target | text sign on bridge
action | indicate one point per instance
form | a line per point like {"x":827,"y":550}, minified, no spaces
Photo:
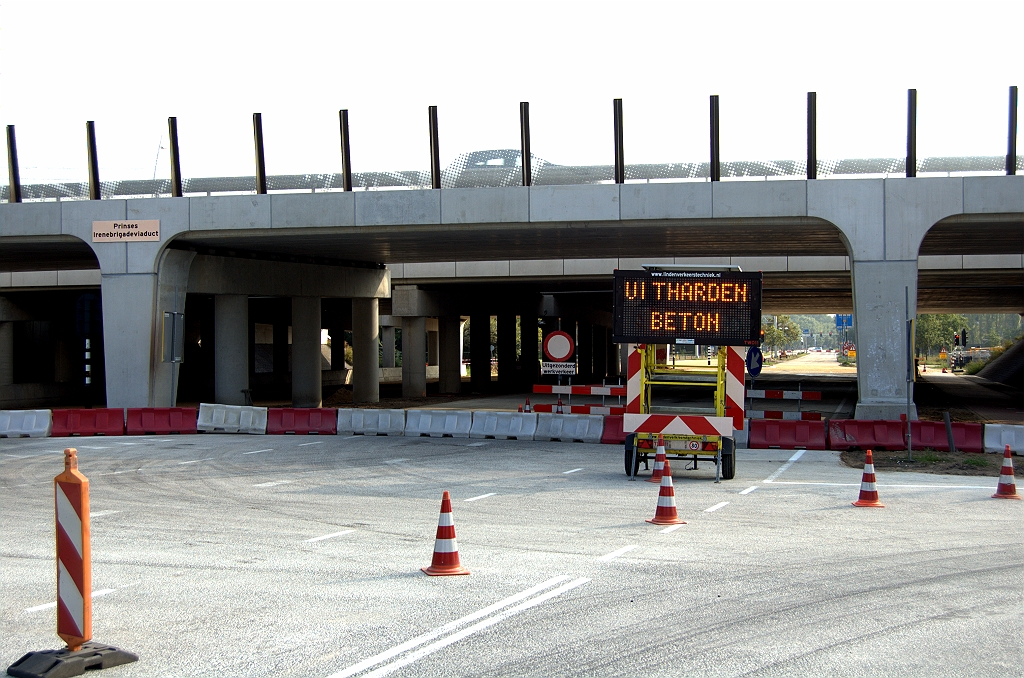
{"x":715,"y":308}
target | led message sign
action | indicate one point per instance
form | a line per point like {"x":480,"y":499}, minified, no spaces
{"x":717,"y":308}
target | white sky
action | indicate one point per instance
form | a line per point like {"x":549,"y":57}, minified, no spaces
{"x":129,"y":66}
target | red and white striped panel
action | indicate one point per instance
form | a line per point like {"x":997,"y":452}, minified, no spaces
{"x":74,"y":577}
{"x":735,"y":385}
{"x":784,"y":395}
{"x":634,"y":363}
{"x":580,"y":390}
{"x":581,"y":409}
{"x":671,"y":424}
{"x":779,"y":414}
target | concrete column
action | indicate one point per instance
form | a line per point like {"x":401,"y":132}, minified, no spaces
{"x":387,"y":339}
{"x":449,"y":338}
{"x":307,"y":381}
{"x":585,"y":352}
{"x":507,"y":352}
{"x":414,"y":357}
{"x":879,"y":308}
{"x":6,"y":354}
{"x":282,"y":321}
{"x":432,"y":347}
{"x":365,"y":343}
{"x":623,"y":361}
{"x":480,"y":352}
{"x":530,"y":372}
{"x":231,"y":348}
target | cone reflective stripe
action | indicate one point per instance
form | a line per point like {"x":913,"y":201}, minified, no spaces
{"x":446,"y":549}
{"x":659,"y":462}
{"x":74,"y":575}
{"x":666,"y":511}
{"x":1007,"y":488}
{"x":527,"y":406}
{"x":868,"y":493}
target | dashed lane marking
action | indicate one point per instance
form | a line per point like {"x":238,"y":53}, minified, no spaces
{"x":785,"y":467}
{"x":329,"y":536}
{"x":194,"y":461}
{"x":476,"y":445}
{"x":271,"y":449}
{"x":97,"y":514}
{"x":716,"y":507}
{"x":749,"y":489}
{"x":315,"y":442}
{"x":395,"y":461}
{"x":616,"y":554}
{"x":272,"y":483}
{"x":670,"y":528}
{"x":572,"y":471}
{"x":482,"y":496}
{"x":50,"y":606}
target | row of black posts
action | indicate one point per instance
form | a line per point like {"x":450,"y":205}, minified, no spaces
{"x":14,"y":193}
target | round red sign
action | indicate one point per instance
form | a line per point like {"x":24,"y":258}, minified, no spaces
{"x":559,"y":346}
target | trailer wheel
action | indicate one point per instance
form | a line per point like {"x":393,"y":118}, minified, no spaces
{"x":630,"y":441}
{"x":728,"y":458}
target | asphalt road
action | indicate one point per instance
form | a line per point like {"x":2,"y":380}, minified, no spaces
{"x":300,"y":556}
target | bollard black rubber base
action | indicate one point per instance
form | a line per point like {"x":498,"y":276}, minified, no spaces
{"x":64,"y":663}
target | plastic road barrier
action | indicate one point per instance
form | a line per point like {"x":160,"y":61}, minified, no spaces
{"x":96,"y":422}
{"x":582,"y":409}
{"x":217,"y":418}
{"x":302,"y":420}
{"x":586,"y":428}
{"x":161,"y":421}
{"x":438,"y":423}
{"x":932,"y":434}
{"x":504,"y":425}
{"x":997,"y":437}
{"x":784,"y":395}
{"x":786,"y":435}
{"x":845,"y":434}
{"x":612,"y":433}
{"x":371,"y":422}
{"x":779,"y":414}
{"x":24,"y":423}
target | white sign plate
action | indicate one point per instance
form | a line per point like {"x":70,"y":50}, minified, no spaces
{"x":147,"y":230}
{"x":547,"y":367}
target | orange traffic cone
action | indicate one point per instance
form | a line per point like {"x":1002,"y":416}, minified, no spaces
{"x":1007,"y":488}
{"x":526,"y":408}
{"x":868,"y":493}
{"x":659,"y":462}
{"x":446,"y":549}
{"x":666,"y":511}
{"x":520,"y":408}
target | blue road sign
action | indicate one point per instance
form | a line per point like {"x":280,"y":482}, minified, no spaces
{"x":755,"y":360}
{"x":844,"y":321}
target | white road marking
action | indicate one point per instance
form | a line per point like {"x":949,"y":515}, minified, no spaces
{"x":482,"y":496}
{"x":271,"y":449}
{"x":394,"y":461}
{"x":351,"y":437}
{"x":317,"y":442}
{"x":785,"y":467}
{"x":93,"y":447}
{"x":124,"y":444}
{"x":29,"y":456}
{"x":749,"y":489}
{"x":272,"y":483}
{"x":840,"y":408}
{"x":450,"y":626}
{"x":572,"y":471}
{"x":479,"y":626}
{"x":670,"y":528}
{"x":716,"y":507}
{"x":616,"y":554}
{"x":476,"y":445}
{"x":194,"y":461}
{"x":328,"y":536}
{"x":50,"y":606}
{"x":97,"y":514}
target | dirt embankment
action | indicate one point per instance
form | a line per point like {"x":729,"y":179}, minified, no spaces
{"x":932,"y":461}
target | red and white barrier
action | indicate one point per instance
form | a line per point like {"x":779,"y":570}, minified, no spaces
{"x":784,"y":395}
{"x":74,"y":569}
{"x":580,"y":390}
{"x":779,"y":414}
{"x":581,"y":409}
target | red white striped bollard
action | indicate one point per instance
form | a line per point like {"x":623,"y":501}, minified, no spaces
{"x":74,"y":568}
{"x":446,"y":549}
{"x":74,"y":588}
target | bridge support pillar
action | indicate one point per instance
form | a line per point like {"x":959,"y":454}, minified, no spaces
{"x":414,"y":357}
{"x":306,"y":377}
{"x":880,"y":313}
{"x":231,"y":348}
{"x":449,"y":368}
{"x":6,"y":353}
{"x":365,"y":362}
{"x":480,"y":352}
{"x":387,"y":341}
{"x":432,"y":342}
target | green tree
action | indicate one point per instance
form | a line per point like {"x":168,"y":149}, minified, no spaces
{"x":935,"y":331}
{"x":780,"y":331}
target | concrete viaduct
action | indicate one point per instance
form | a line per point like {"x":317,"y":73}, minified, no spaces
{"x":955,"y":243}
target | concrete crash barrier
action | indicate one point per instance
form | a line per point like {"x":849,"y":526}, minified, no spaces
{"x":96,"y":422}
{"x":846,"y":434}
{"x":161,"y":421}
{"x":786,"y":435}
{"x":504,"y":425}
{"x":24,"y":423}
{"x":932,"y":434}
{"x":612,"y":433}
{"x":217,"y":418}
{"x":438,"y":423}
{"x":997,"y":437}
{"x":371,"y":422}
{"x":302,"y":420}
{"x":585,"y":428}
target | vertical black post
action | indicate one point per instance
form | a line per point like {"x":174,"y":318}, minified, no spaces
{"x":812,"y":135}
{"x":911,"y":132}
{"x":261,"y":166}
{"x":716,"y":168}
{"x":1011,"y":140}
{"x":524,"y":132}
{"x":172,"y":135}
{"x":435,"y":152}
{"x":620,"y":162}
{"x":346,"y":151}
{"x":14,"y":174}
{"x":94,"y":164}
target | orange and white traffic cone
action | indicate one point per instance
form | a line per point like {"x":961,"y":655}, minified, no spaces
{"x":446,"y":549}
{"x":666,"y":511}
{"x":558,"y":408}
{"x":1007,"y":488}
{"x":520,"y":408}
{"x":659,"y":462}
{"x":526,"y":408}
{"x":868,"y":493}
